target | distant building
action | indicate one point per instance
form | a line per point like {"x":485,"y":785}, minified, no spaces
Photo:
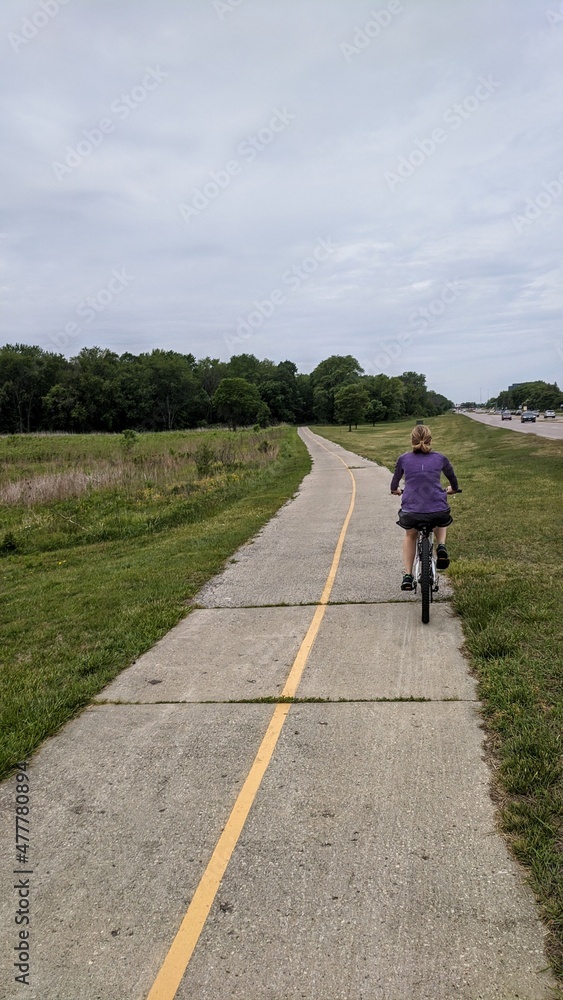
{"x":515,"y":385}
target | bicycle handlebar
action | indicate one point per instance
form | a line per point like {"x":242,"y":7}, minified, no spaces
{"x":400,"y":492}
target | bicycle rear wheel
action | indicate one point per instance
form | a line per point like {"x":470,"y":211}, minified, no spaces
{"x":425,"y":582}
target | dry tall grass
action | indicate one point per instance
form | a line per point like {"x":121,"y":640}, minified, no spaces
{"x":135,"y":471}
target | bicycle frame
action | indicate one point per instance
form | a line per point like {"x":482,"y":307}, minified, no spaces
{"x":417,"y":566}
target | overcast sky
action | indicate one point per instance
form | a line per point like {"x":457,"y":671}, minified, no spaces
{"x":288,"y":178}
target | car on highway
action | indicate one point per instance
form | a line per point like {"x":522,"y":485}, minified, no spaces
{"x":549,"y":413}
{"x":528,"y":417}
{"x":506,"y":415}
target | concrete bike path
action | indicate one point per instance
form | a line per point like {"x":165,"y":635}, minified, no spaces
{"x":369,"y":865}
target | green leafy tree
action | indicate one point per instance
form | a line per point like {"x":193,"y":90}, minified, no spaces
{"x":237,"y":401}
{"x":436,"y":403}
{"x":375,"y":411}
{"x":279,"y":389}
{"x":177,"y":398}
{"x":263,"y":415}
{"x":350,"y":402}
{"x":389,"y":393}
{"x":26,"y":375}
{"x":278,"y":397}
{"x":304,"y":399}
{"x":133,"y":394}
{"x":245,"y":366}
{"x":414,"y":402}
{"x":536,"y":395}
{"x":93,"y":382}
{"x":209,"y":372}
{"x":327,"y":377}
{"x":64,"y":411}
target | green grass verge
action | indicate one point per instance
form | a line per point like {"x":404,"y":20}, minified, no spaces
{"x":506,"y":551}
{"x":76,"y":616}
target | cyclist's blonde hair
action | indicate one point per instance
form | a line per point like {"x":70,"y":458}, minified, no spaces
{"x":421,"y":439}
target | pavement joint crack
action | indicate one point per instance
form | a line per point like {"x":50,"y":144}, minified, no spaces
{"x":315,"y":604}
{"x":411,"y":699}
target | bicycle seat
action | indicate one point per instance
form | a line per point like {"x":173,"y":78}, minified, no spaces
{"x":425,"y":526}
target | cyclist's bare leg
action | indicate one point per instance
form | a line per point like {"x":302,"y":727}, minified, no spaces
{"x":409,"y":548}
{"x":440,"y":535}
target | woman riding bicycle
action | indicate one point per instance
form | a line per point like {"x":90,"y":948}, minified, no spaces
{"x":424,"y":498}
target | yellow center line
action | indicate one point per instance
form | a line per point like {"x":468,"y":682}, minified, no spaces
{"x":181,"y":950}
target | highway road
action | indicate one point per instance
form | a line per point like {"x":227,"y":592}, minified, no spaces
{"x":550,"y":428}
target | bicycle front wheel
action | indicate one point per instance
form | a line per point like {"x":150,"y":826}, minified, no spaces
{"x":425,"y":581}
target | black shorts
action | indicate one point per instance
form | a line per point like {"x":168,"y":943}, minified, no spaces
{"x":441,"y":519}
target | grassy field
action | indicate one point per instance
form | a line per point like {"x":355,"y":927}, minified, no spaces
{"x":104,"y":540}
{"x":506,"y":554}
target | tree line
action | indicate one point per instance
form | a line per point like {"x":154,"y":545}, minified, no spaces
{"x":99,"y":390}
{"x":535,"y":395}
